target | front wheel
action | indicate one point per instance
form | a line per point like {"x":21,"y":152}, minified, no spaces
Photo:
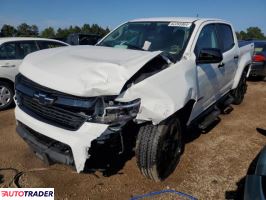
{"x":6,"y":95}
{"x":239,"y":93}
{"x":158,"y":149}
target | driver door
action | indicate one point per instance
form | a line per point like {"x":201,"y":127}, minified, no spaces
{"x":210,"y":76}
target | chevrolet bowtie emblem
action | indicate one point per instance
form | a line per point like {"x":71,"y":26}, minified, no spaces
{"x":43,"y":99}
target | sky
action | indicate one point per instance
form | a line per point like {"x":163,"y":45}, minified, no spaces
{"x":62,"y":13}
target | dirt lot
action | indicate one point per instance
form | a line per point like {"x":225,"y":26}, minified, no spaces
{"x":213,"y":165}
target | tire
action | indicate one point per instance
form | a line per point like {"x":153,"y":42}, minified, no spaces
{"x":158,"y":149}
{"x":6,"y":95}
{"x":239,"y":93}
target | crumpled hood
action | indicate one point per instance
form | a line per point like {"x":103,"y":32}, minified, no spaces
{"x":84,"y":70}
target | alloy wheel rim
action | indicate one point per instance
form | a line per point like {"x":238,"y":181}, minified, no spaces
{"x":5,"y":96}
{"x":170,"y":152}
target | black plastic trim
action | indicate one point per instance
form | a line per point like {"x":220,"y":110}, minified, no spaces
{"x":46,"y":151}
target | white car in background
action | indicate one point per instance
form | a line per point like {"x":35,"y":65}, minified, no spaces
{"x":12,"y":52}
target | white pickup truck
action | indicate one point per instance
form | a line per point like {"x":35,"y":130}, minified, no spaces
{"x":161,"y":74}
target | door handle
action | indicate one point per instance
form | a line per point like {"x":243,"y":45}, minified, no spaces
{"x":221,"y":65}
{"x":236,"y":57}
{"x":7,"y":65}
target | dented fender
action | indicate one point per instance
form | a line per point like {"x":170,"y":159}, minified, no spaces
{"x":164,"y":93}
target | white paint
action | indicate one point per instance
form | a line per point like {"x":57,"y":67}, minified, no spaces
{"x":85,"y":70}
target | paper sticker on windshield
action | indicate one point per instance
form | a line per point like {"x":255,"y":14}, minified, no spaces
{"x":180,"y":24}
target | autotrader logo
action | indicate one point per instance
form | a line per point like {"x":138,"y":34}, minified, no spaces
{"x":27,"y":193}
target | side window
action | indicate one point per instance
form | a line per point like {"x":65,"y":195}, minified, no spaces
{"x":25,"y":48}
{"x":207,"y":38}
{"x":49,"y":44}
{"x":8,"y":51}
{"x":226,"y":36}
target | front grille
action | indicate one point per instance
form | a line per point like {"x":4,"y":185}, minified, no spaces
{"x":63,"y":113}
{"x":53,"y":115}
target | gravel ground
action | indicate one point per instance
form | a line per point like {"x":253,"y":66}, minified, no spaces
{"x":213,"y":165}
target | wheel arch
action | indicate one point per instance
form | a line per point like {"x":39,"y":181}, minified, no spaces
{"x":6,"y":80}
{"x":244,"y":65}
{"x":184,"y":113}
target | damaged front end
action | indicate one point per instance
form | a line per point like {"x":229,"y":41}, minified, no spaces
{"x":113,"y":113}
{"x":72,"y":114}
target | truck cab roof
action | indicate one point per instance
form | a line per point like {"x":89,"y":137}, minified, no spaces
{"x":181,"y":19}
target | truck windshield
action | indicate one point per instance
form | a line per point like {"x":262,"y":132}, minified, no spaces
{"x":169,"y":37}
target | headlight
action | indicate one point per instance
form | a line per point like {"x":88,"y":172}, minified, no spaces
{"x":116,"y":113}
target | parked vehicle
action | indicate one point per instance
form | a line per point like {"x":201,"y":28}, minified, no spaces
{"x":163,"y":74}
{"x":255,"y":184}
{"x":258,"y":67}
{"x":12,"y":52}
{"x":82,"y":39}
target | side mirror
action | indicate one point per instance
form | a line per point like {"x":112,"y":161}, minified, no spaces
{"x":209,"y":55}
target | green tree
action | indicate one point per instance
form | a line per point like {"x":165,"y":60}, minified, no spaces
{"x":76,"y":29}
{"x":8,"y":31}
{"x":62,"y":33}
{"x":254,"y":33}
{"x":34,"y":30}
{"x":242,"y":35}
{"x":27,"y":30}
{"x":96,"y":29}
{"x":251,"y":33}
{"x":48,"y":33}
{"x":86,"y":28}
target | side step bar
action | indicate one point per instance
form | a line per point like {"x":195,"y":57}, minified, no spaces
{"x":210,"y":118}
{"x":211,"y":115}
{"x":225,"y":107}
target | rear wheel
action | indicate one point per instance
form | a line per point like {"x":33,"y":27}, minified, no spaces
{"x":239,"y":93}
{"x":6,"y":95}
{"x":158,"y":149}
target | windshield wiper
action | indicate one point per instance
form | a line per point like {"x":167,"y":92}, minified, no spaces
{"x":104,"y":45}
{"x":133,"y":46}
{"x":169,"y":56}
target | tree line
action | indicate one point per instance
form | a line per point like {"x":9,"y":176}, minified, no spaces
{"x":49,"y":32}
{"x":25,"y":30}
{"x":251,"y":33}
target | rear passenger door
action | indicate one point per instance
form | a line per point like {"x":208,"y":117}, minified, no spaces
{"x":25,"y":48}
{"x":230,"y":56}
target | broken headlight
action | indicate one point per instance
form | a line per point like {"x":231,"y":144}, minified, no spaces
{"x":112,"y":112}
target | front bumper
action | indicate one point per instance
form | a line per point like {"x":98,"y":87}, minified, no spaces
{"x":47,"y":149}
{"x":258,"y":69}
{"x":78,"y":141}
